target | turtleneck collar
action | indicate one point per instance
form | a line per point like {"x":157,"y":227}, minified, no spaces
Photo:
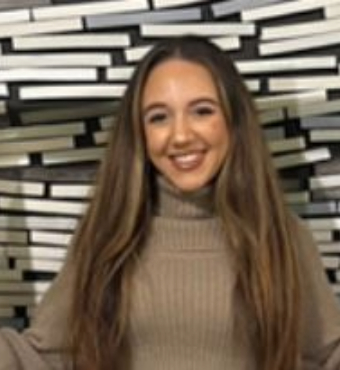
{"x":173,"y":203}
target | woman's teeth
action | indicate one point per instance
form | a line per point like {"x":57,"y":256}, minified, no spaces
{"x":188,"y":161}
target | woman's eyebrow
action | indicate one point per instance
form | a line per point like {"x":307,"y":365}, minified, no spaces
{"x":204,"y":100}
{"x":150,"y":107}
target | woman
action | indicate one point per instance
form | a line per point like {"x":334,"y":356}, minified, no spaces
{"x":187,"y":257}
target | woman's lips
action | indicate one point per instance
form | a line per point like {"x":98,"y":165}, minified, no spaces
{"x":187,"y":162}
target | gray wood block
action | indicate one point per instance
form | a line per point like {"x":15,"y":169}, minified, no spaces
{"x":83,"y":173}
{"x":130,"y":19}
{"x":326,"y":194}
{"x":10,"y":4}
{"x":320,"y":122}
{"x":320,"y":208}
{"x":274,"y":133}
{"x":228,"y":7}
{"x":330,"y":167}
{"x":73,"y":111}
{"x":51,"y":223}
{"x":17,"y":323}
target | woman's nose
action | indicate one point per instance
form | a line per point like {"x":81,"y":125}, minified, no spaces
{"x":181,"y":131}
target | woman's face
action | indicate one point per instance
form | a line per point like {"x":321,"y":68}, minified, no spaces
{"x":187,"y":138}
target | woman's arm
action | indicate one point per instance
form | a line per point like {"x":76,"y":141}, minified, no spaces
{"x":42,"y":346}
{"x":320,"y":317}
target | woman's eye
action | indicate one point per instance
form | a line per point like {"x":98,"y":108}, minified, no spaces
{"x":204,"y":111}
{"x":156,"y":118}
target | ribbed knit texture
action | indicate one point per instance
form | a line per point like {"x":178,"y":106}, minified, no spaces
{"x":182,"y":311}
{"x":183,"y":306}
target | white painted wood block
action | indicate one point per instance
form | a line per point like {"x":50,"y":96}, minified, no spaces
{"x":278,"y":84}
{"x":331,"y":262}
{"x":329,"y":247}
{"x":203,"y":29}
{"x":53,"y":238}
{"x":89,"y":8}
{"x":101,"y":137}
{"x":314,"y":108}
{"x":24,"y":287}
{"x":30,"y":28}
{"x":160,"y":4}
{"x":19,"y":237}
{"x":4,"y":90}
{"x":253,"y":85}
{"x":332,"y":11}
{"x":287,"y":145}
{"x":71,"y":191}
{"x":302,"y":158}
{"x":37,"y":265}
{"x":227,"y":43}
{"x":322,"y":236}
{"x":324,"y":136}
{"x":10,"y":275}
{"x":298,"y":197}
{"x":271,"y":116}
{"x":326,"y":181}
{"x":136,"y":53}
{"x":323,"y":224}
{"x":35,"y":146}
{"x":91,"y":59}
{"x":72,"y":91}
{"x":39,"y":131}
{"x":48,"y":74}
{"x":18,"y":160}
{"x":14,"y":16}
{"x":300,"y":29}
{"x":286,"y":64}
{"x":107,"y":122}
{"x":300,"y":44}
{"x":119,"y":73}
{"x":72,"y":156}
{"x":287,"y":100}
{"x":36,"y":252}
{"x":72,"y":41}
{"x":22,"y":187}
{"x":51,"y":223}
{"x":283,"y":9}
{"x":10,"y":300}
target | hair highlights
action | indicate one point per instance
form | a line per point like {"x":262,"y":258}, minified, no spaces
{"x":248,"y":200}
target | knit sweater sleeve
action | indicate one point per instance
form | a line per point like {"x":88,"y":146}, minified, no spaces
{"x":41,"y":346}
{"x":320,"y":309}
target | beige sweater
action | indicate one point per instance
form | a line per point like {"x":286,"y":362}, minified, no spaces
{"x":183,"y":310}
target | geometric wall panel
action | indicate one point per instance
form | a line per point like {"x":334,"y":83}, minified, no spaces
{"x":64,"y":66}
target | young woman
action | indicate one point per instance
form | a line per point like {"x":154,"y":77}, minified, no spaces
{"x":187,"y":257}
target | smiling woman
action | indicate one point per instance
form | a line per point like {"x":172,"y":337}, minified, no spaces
{"x":187,"y":257}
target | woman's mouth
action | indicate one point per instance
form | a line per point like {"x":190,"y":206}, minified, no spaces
{"x":188,"y":161}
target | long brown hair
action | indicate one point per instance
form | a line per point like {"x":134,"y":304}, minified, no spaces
{"x":248,"y":200}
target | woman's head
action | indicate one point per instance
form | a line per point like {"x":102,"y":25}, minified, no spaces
{"x":189,"y":110}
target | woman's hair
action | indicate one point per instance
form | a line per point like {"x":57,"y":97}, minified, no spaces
{"x":248,"y":200}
